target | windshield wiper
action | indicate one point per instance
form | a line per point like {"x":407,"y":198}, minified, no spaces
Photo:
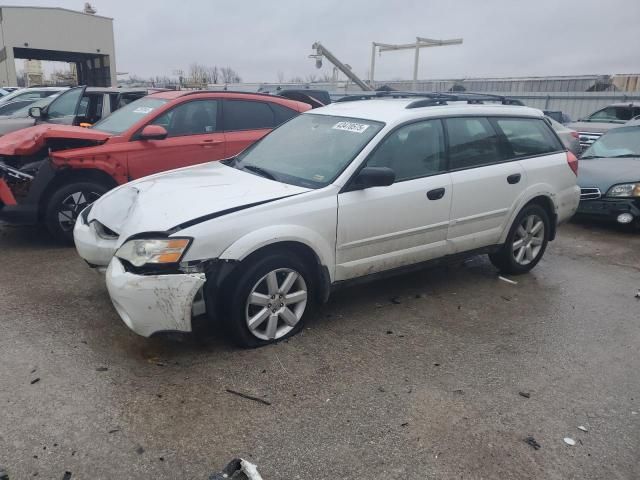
{"x":590,"y":156}
{"x":627,"y":155}
{"x":260,"y":171}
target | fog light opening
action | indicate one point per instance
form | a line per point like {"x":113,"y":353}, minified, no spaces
{"x":625,"y":218}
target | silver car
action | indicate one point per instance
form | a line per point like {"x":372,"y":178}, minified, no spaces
{"x":598,"y":123}
{"x":569,"y":137}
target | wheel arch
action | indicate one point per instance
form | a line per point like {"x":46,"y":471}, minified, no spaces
{"x":67,"y":176}
{"x":542,"y":197}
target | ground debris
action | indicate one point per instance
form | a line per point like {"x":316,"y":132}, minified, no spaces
{"x":532,"y":441}
{"x":67,"y":475}
{"x":583,"y":428}
{"x":237,"y":469}
{"x":35,"y":380}
{"x":395,"y":300}
{"x":114,"y":430}
{"x":248,"y":397}
{"x":140,"y":450}
{"x":3,"y":474}
{"x":524,"y":394}
{"x":508,"y":280}
{"x":101,"y":369}
{"x":638,"y":294}
{"x":569,"y":441}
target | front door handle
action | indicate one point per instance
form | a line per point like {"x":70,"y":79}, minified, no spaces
{"x":513,"y":179}
{"x":435,"y":194}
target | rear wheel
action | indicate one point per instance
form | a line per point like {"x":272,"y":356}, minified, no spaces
{"x":66,"y":203}
{"x":526,"y":242}
{"x":268,"y":300}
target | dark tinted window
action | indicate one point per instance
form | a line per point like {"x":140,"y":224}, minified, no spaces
{"x":412,"y":151}
{"x":615,"y":114}
{"x":282,"y":114}
{"x":192,"y":118}
{"x":528,"y":136}
{"x":247,"y":115}
{"x":473,"y":142}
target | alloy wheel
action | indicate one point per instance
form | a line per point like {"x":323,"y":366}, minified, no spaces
{"x":276,"y":304}
{"x":528,"y":239}
{"x":71,"y":207}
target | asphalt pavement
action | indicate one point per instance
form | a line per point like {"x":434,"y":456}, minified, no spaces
{"x":443,"y":373}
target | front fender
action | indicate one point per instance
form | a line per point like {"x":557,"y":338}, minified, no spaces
{"x":246,"y":245}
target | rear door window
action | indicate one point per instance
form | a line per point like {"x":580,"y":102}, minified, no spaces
{"x":528,"y":136}
{"x":65,"y":105}
{"x":247,"y":115}
{"x":473,"y":142}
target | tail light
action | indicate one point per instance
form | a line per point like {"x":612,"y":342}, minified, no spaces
{"x":572,"y":160}
{"x":575,"y":134}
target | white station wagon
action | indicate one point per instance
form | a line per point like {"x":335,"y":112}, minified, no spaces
{"x":350,"y":190}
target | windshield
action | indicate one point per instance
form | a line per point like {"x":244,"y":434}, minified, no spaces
{"x":309,"y":150}
{"x":124,"y":118}
{"x":24,"y":111}
{"x":620,"y":142}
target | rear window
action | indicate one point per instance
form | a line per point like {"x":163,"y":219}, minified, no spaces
{"x":247,"y":115}
{"x":528,"y":136}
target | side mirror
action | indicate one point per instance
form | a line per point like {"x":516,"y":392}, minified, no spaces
{"x":374,"y":177}
{"x":35,"y":112}
{"x":153,"y":132}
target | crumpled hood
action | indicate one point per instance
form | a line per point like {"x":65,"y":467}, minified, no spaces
{"x":593,"y":127}
{"x":160,"y":202}
{"x":30,"y":140}
{"x":606,"y":172}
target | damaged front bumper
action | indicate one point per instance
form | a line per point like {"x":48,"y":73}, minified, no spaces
{"x":95,"y":250}
{"x":150,"y":304}
{"x":21,"y":192}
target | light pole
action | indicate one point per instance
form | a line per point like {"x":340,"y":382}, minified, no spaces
{"x":420,"y":42}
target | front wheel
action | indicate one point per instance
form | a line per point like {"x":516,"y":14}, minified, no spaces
{"x":526,"y":242}
{"x":268,"y":301}
{"x":66,"y":203}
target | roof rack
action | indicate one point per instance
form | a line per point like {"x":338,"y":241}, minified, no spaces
{"x":429,"y":99}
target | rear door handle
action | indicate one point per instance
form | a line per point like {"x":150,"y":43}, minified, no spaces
{"x":513,"y":179}
{"x":209,"y":143}
{"x":435,"y":194}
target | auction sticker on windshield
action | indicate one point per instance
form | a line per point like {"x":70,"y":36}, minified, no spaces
{"x":143,"y":110}
{"x":351,"y":127}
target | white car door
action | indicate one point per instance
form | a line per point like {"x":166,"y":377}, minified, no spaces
{"x":381,"y":228}
{"x":486,"y":184}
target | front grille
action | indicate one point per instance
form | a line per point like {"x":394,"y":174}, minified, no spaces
{"x":590,"y":193}
{"x":587,"y":138}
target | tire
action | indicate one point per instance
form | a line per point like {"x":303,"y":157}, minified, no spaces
{"x":525,"y":244}
{"x":66,"y":203}
{"x":255,"y":280}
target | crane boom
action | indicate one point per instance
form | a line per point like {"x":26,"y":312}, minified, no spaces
{"x":321,"y":51}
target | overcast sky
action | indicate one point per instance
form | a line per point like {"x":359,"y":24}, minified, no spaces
{"x":260,"y":38}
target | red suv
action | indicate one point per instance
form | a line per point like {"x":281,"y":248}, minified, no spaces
{"x":49,"y":173}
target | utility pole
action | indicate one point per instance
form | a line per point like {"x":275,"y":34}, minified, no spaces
{"x":420,"y":42}
{"x":321,"y":51}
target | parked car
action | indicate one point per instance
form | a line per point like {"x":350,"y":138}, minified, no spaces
{"x":600,"y":122}
{"x":20,"y":118}
{"x":559,"y":116}
{"x":335,"y":195}
{"x":85,"y":105}
{"x":10,"y":108}
{"x":51,"y":172}
{"x":569,"y":137}
{"x":610,"y":177}
{"x":31,"y":93}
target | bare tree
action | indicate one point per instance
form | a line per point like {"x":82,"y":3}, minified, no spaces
{"x":198,"y":73}
{"x":326,"y":78}
{"x":229,"y":75}
{"x":214,"y":74}
{"x":296,"y":80}
{"x":280,"y":76}
{"x":311,"y":78}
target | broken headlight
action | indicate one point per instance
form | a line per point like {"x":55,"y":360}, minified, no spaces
{"x":164,"y":251}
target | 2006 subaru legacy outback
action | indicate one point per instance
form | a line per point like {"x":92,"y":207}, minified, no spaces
{"x":335,"y":194}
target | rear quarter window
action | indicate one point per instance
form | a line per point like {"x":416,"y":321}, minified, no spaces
{"x":528,"y":137}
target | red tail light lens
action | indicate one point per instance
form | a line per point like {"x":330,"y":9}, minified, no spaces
{"x":575,"y":134}
{"x":572,"y":160}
